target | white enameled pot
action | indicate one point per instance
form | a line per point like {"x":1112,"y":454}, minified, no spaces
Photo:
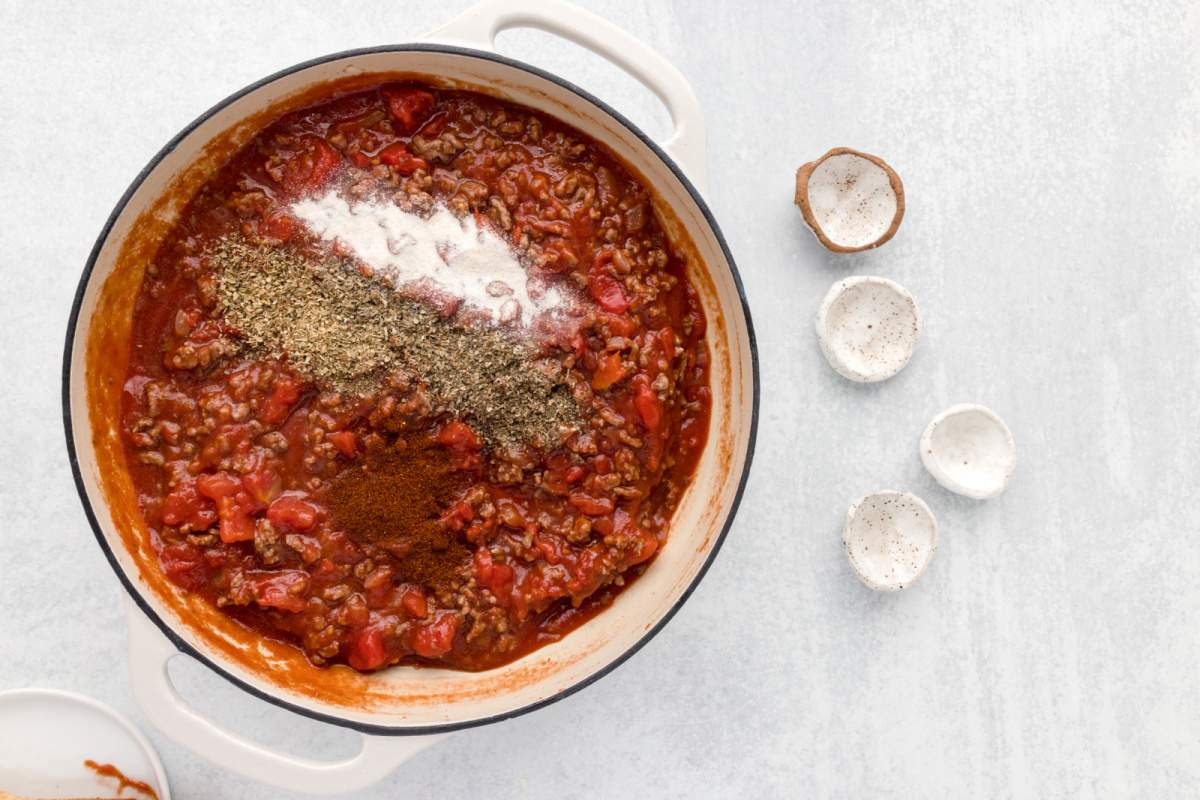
{"x":400,"y":711}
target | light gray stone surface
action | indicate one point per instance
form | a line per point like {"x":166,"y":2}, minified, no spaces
{"x":1051,"y":155}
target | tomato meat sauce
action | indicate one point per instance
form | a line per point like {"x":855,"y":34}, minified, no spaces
{"x":382,"y":526}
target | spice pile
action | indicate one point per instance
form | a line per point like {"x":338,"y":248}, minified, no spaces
{"x":394,"y":500}
{"x":455,"y":256}
{"x":349,"y":331}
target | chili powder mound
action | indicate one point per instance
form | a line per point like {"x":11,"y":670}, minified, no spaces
{"x":393,"y":501}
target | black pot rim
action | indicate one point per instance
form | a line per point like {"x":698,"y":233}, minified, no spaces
{"x":179,"y":641}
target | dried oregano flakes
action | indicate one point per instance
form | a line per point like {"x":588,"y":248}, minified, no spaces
{"x":349,"y":331}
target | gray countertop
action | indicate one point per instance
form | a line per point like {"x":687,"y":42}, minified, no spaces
{"x":1051,"y":156}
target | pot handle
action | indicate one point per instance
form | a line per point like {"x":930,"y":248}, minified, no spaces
{"x":149,"y":654}
{"x":478,"y":26}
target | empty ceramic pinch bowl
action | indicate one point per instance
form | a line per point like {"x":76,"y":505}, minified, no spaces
{"x":868,"y":328}
{"x":890,"y":538}
{"x":850,"y":200}
{"x":969,"y":450}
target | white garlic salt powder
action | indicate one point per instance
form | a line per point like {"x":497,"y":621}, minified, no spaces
{"x":456,"y":256}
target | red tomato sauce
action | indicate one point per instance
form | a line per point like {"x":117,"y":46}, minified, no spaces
{"x":233,"y":455}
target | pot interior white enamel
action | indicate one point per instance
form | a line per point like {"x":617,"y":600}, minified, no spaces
{"x":400,"y":700}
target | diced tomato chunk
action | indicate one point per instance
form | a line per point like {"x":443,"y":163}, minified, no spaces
{"x":435,"y":639}
{"x":357,"y":615}
{"x":609,"y":293}
{"x":483,"y":565}
{"x":408,"y":105}
{"x":378,"y":586}
{"x":587,"y":572}
{"x":397,"y":155}
{"x":367,"y":651}
{"x":463,"y":443}
{"x":552,"y":548}
{"x":646,"y":402}
{"x":609,"y":372}
{"x":645,"y":542}
{"x":415,"y":604}
{"x":592,"y":506}
{"x":456,"y":433}
{"x":497,"y":578}
{"x":234,"y":505}
{"x":218,"y":485}
{"x":310,"y":168}
{"x":501,"y":582}
{"x":325,"y":162}
{"x":293,"y":512}
{"x":619,"y":324}
{"x":184,"y":564}
{"x":378,"y":578}
{"x":236,"y":525}
{"x":666,"y":340}
{"x":604,"y":288}
{"x":279,"y":226}
{"x":434,"y":125}
{"x":344,"y":441}
{"x":286,"y":392}
{"x":263,"y":485}
{"x":186,"y":506}
{"x":284,"y":590}
{"x":340,"y":547}
{"x":457,"y":516}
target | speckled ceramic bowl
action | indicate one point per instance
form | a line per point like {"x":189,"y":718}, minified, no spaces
{"x":890,"y":538}
{"x":868,"y":328}
{"x":970,"y":451}
{"x":402,"y":700}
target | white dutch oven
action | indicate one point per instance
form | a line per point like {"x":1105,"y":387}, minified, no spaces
{"x":402,"y":710}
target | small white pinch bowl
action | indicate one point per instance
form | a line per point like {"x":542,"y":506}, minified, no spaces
{"x":970,"y":451}
{"x":890,"y":538}
{"x":868,"y":328}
